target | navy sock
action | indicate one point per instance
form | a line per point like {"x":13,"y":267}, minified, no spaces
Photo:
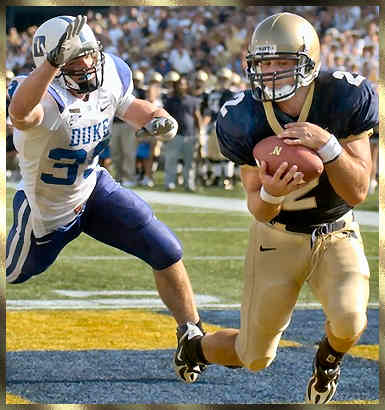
{"x":327,"y":356}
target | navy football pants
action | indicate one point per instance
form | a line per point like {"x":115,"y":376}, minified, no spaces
{"x":113,"y":215}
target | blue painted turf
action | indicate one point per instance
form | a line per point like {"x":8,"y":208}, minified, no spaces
{"x":123,"y":377}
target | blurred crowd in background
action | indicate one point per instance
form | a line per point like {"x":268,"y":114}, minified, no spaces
{"x":197,"y":54}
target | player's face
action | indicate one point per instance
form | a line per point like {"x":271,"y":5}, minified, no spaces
{"x":271,"y":66}
{"x":79,"y":67}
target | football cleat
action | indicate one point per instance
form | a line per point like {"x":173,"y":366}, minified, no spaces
{"x":323,"y":384}
{"x":187,"y":370}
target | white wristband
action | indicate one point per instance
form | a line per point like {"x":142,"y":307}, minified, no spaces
{"x":265,"y":196}
{"x":330,"y":151}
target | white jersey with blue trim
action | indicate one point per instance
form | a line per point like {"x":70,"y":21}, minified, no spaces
{"x":58,"y":158}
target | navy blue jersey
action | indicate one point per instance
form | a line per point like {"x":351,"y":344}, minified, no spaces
{"x":344,"y":104}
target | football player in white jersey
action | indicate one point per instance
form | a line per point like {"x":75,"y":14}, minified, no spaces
{"x":62,"y":113}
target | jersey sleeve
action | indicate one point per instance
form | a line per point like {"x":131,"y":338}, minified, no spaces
{"x":126,"y":88}
{"x":231,"y":144}
{"x":51,"y":102}
{"x":365,"y":112}
{"x":355,"y":106}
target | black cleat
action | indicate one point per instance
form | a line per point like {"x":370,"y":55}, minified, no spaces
{"x":323,"y":384}
{"x":185,"y":369}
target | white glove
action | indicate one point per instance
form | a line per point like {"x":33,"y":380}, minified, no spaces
{"x":162,"y":128}
{"x":69,"y":45}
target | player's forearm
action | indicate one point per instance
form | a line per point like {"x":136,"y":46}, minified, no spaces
{"x":31,"y":91}
{"x":161,"y":112}
{"x":349,"y":177}
{"x":261,"y":210}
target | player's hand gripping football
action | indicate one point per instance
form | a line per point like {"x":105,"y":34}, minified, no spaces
{"x":69,"y":45}
{"x":304,"y":133}
{"x":162,"y":128}
{"x":283,"y":181}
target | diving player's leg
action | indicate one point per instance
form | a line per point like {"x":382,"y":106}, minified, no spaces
{"x":273,"y":278}
{"x":342,"y":286}
{"x":27,"y":255}
{"x":120,"y":218}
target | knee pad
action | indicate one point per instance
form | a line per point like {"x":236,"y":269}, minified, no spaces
{"x":344,"y":332}
{"x":158,"y":245}
{"x":260,"y":364}
{"x":348,"y":326}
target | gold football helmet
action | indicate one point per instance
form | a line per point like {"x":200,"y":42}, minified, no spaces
{"x":201,"y":76}
{"x":283,"y":36}
{"x":172,"y":77}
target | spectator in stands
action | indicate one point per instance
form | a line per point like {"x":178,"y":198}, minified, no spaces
{"x":180,"y":58}
{"x":145,"y":150}
{"x":186,"y":110}
{"x":123,"y":142}
{"x":222,"y":170}
{"x":201,"y":91}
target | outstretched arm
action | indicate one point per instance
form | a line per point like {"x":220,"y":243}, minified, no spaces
{"x":25,"y":109}
{"x":150,"y":120}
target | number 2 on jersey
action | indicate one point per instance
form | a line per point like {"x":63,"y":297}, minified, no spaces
{"x":292,"y":203}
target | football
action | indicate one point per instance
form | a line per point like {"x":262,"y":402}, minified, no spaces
{"x":274,"y":151}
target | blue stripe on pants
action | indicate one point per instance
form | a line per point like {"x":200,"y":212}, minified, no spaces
{"x":19,"y":200}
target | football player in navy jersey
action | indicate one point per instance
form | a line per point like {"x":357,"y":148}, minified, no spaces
{"x":62,"y":113}
{"x":301,"y":232}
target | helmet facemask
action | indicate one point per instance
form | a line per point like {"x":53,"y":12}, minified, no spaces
{"x":85,"y":80}
{"x":302,"y":74}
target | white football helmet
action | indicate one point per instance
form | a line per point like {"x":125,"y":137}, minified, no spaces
{"x":46,"y":38}
{"x":279,"y":37}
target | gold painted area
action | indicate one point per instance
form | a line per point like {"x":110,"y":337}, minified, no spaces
{"x":355,"y":402}
{"x":85,"y":329}
{"x":12,"y":399}
{"x":288,"y":343}
{"x":370,"y":352}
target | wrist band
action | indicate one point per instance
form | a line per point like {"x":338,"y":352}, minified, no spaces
{"x":330,"y":151}
{"x":265,"y":196}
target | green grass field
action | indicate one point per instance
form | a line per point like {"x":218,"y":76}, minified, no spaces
{"x":214,"y":245}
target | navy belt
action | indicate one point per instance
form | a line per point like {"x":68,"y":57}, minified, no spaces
{"x":321,"y":229}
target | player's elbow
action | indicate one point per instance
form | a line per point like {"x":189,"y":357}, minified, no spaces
{"x":356,"y":201}
{"x":356,"y":197}
{"x":22,"y":120}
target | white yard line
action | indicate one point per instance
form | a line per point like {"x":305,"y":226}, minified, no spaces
{"x":220,"y":203}
{"x":126,"y":303}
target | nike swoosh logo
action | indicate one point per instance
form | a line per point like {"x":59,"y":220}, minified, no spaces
{"x":262,"y":249}
{"x":102,"y":109}
{"x":43,"y":242}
